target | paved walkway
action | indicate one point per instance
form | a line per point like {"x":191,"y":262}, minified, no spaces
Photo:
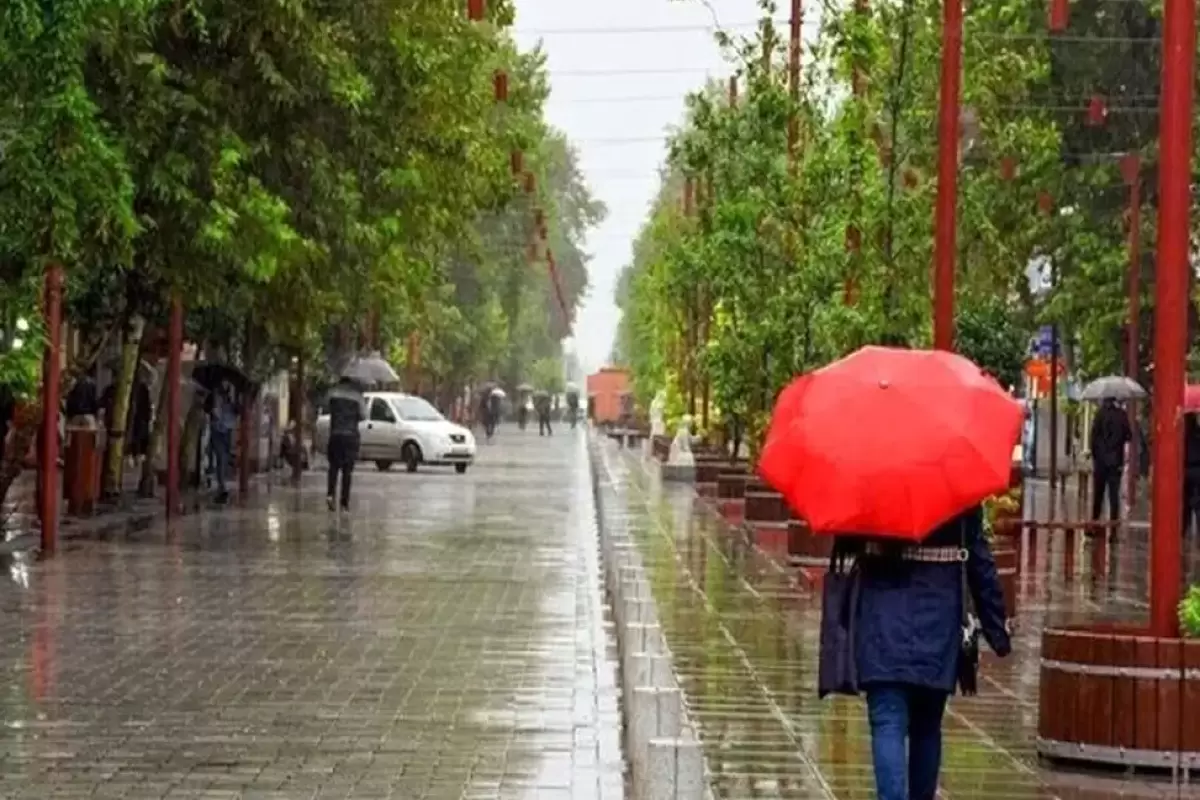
{"x":744,"y":639}
{"x":444,"y":641}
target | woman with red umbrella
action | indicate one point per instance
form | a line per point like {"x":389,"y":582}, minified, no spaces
{"x":899,"y":448}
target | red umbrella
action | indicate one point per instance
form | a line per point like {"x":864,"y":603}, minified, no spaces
{"x":890,"y":442}
{"x":1191,"y":398}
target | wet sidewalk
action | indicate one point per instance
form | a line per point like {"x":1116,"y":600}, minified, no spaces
{"x":445,"y":641}
{"x":743,"y":635}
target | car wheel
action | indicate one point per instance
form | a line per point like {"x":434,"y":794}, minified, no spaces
{"x":383,"y":466}
{"x":412,"y":456}
{"x":460,"y":468}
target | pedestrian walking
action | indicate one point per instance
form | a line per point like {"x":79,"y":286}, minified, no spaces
{"x":495,"y":407}
{"x":222,"y":421}
{"x":346,"y":411}
{"x":573,"y":407}
{"x":909,"y":643}
{"x":1110,"y":435}
{"x":542,"y":406}
{"x":141,"y":413}
{"x":896,"y":616}
{"x":1191,"y":472}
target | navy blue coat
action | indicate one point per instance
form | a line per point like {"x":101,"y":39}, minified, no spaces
{"x":909,"y":618}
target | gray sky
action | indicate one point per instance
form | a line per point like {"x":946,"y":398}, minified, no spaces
{"x":583,"y":37}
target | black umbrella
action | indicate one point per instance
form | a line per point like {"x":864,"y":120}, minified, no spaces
{"x":212,"y":375}
{"x":370,"y":369}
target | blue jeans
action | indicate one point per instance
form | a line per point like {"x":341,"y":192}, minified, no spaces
{"x":222,"y":451}
{"x":906,"y":740}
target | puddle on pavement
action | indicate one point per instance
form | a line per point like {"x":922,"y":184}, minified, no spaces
{"x":745,"y":640}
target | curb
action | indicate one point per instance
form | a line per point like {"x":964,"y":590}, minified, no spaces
{"x":663,"y":748}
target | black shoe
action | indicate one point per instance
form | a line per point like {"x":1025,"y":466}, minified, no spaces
{"x":329,"y":503}
{"x":346,"y":507}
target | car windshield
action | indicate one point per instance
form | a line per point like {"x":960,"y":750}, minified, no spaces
{"x":414,"y":409}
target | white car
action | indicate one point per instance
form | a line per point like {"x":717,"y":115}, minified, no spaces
{"x":404,"y":428}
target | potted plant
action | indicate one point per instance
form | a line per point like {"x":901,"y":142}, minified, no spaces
{"x":996,"y":509}
{"x":1189,"y":613}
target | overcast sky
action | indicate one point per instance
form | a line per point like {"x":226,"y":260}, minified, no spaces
{"x":615,"y":92}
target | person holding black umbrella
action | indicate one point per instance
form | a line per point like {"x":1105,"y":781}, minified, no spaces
{"x":1110,"y":436}
{"x":346,"y":404}
{"x":222,"y":420}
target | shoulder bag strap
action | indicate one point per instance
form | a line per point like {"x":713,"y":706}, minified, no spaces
{"x":966,"y":585}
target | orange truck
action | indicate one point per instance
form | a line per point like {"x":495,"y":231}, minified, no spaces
{"x":607,"y":391}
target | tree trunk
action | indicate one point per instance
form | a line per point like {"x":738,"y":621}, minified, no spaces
{"x":157,"y":434}
{"x":190,"y":445}
{"x":114,"y":457}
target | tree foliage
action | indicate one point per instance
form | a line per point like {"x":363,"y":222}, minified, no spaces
{"x":289,"y":168}
{"x":788,"y":264}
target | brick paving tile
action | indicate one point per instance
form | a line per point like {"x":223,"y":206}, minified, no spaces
{"x":744,"y":636}
{"x":446,"y":640}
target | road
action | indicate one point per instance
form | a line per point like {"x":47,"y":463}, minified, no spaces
{"x":445,"y":640}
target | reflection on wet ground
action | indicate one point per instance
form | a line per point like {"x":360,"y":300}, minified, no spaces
{"x":446,"y":640}
{"x":744,"y":639}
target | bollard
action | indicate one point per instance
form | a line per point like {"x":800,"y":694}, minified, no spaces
{"x":674,"y":770}
{"x":637,"y":611}
{"x":653,"y":714}
{"x":642,"y":637}
{"x":644,"y":671}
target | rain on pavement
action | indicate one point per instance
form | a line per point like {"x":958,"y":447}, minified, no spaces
{"x":744,"y":637}
{"x":445,"y":640}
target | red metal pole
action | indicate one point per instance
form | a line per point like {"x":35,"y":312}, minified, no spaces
{"x":947,"y":185}
{"x":794,"y":78}
{"x":174,"y":377}
{"x":1130,"y":167}
{"x":1170,"y":313}
{"x":51,"y":377}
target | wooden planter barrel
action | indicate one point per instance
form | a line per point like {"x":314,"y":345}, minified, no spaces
{"x":731,"y":493}
{"x":708,"y":469}
{"x":1008,"y":566}
{"x":1116,"y":696}
{"x":768,"y":517}
{"x":806,"y":548}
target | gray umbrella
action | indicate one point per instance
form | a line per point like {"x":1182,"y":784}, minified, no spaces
{"x":1113,"y":387}
{"x":370,"y":369}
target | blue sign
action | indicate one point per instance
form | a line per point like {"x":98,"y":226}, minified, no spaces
{"x":1043,"y":344}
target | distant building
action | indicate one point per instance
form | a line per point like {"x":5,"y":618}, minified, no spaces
{"x":605,"y":390}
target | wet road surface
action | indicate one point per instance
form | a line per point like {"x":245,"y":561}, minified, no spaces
{"x":446,"y":640}
{"x":744,"y":640}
